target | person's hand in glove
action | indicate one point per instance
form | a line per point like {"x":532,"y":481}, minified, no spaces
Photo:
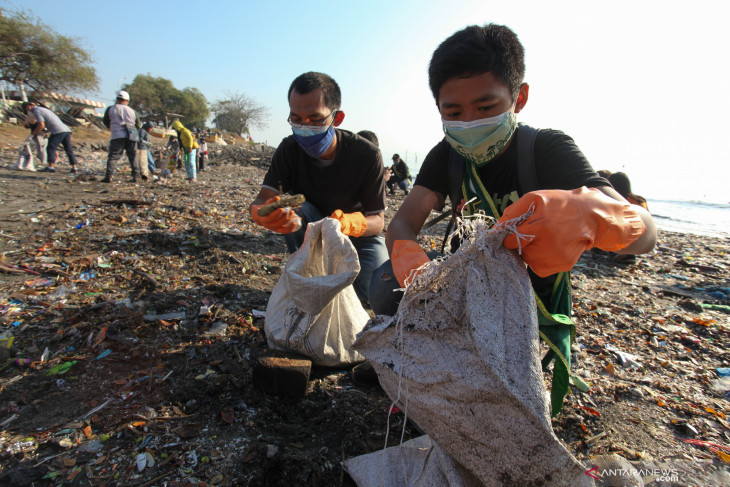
{"x":281,"y":220}
{"x":352,"y":224}
{"x":406,"y":256}
{"x":564,"y":224}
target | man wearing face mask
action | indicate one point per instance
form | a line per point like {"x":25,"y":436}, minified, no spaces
{"x":476,"y":77}
{"x":340,"y":174}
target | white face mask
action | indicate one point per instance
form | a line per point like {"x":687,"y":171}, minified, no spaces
{"x":482,"y":122}
{"x":480,"y":141}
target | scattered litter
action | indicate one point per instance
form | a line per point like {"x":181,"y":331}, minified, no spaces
{"x":61,"y":368}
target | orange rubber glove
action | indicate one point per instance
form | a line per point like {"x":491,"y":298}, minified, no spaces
{"x":353,"y":224}
{"x":567,"y":223}
{"x":281,"y":220}
{"x":407,"y":255}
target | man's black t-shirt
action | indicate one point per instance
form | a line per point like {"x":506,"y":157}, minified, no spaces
{"x":559,"y":164}
{"x":353,"y":181}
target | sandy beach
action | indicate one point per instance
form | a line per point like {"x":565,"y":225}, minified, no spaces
{"x":96,"y":279}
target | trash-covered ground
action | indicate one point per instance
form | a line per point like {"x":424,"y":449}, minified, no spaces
{"x":132,"y":314}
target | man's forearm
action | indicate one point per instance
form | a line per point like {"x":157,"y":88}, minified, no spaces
{"x":647,"y":241}
{"x":375,"y":224}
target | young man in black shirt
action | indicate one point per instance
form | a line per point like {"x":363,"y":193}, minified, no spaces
{"x":476,"y":77}
{"x":340,"y":174}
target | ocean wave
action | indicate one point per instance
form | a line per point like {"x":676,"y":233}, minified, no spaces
{"x":707,"y":204}
{"x":670,"y":218}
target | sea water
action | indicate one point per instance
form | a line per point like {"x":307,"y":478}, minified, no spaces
{"x":693,"y":217}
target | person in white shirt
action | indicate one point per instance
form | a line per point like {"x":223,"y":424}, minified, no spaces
{"x":124,"y":124}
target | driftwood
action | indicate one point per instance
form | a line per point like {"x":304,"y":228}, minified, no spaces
{"x":42,"y":210}
{"x":146,"y":276}
{"x":699,"y":267}
{"x":11,"y":270}
{"x":287,"y":201}
{"x":17,"y":270}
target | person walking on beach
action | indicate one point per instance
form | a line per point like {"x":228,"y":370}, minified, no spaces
{"x":340,"y":174}
{"x":190,"y":147}
{"x":476,"y":78}
{"x":60,"y":135}
{"x":124,"y":124}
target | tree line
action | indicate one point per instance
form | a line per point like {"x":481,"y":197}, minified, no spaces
{"x":33,"y":55}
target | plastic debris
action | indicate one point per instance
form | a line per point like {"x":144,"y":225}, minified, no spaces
{"x":61,"y":368}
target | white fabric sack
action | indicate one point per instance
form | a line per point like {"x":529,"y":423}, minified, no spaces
{"x":25,"y":156}
{"x":416,"y":463}
{"x":314,"y":309}
{"x":461,"y":358}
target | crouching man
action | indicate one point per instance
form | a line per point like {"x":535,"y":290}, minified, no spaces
{"x":340,"y":174}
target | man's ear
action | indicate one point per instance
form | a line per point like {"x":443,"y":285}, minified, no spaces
{"x":339,"y":117}
{"x":522,"y":97}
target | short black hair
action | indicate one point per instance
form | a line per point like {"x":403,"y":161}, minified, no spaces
{"x":366,"y":134}
{"x":310,"y":81}
{"x":26,"y":104}
{"x":476,"y":50}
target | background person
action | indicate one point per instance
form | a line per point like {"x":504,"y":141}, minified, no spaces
{"x":400,"y":175}
{"x":40,"y":142}
{"x":144,"y":146}
{"x":202,"y":152}
{"x":367,"y":134}
{"x":621,"y":183}
{"x":123,"y":122}
{"x":60,"y":135}
{"x":189,"y":147}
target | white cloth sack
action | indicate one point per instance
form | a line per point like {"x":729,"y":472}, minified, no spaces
{"x":25,"y":156}
{"x":314,"y":309}
{"x":461,"y":358}
{"x":416,"y":463}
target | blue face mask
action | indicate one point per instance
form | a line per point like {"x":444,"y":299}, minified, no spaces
{"x":314,"y":140}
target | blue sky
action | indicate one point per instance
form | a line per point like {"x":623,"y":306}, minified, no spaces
{"x":640,"y":85}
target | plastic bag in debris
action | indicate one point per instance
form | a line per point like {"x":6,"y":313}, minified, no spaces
{"x":461,"y":358}
{"x":314,"y":309}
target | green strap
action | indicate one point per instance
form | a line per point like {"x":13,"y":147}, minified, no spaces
{"x":554,"y":324}
{"x":557,"y":330}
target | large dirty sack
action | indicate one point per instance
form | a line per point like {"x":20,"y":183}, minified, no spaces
{"x":314,"y":309}
{"x":461,"y":357}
